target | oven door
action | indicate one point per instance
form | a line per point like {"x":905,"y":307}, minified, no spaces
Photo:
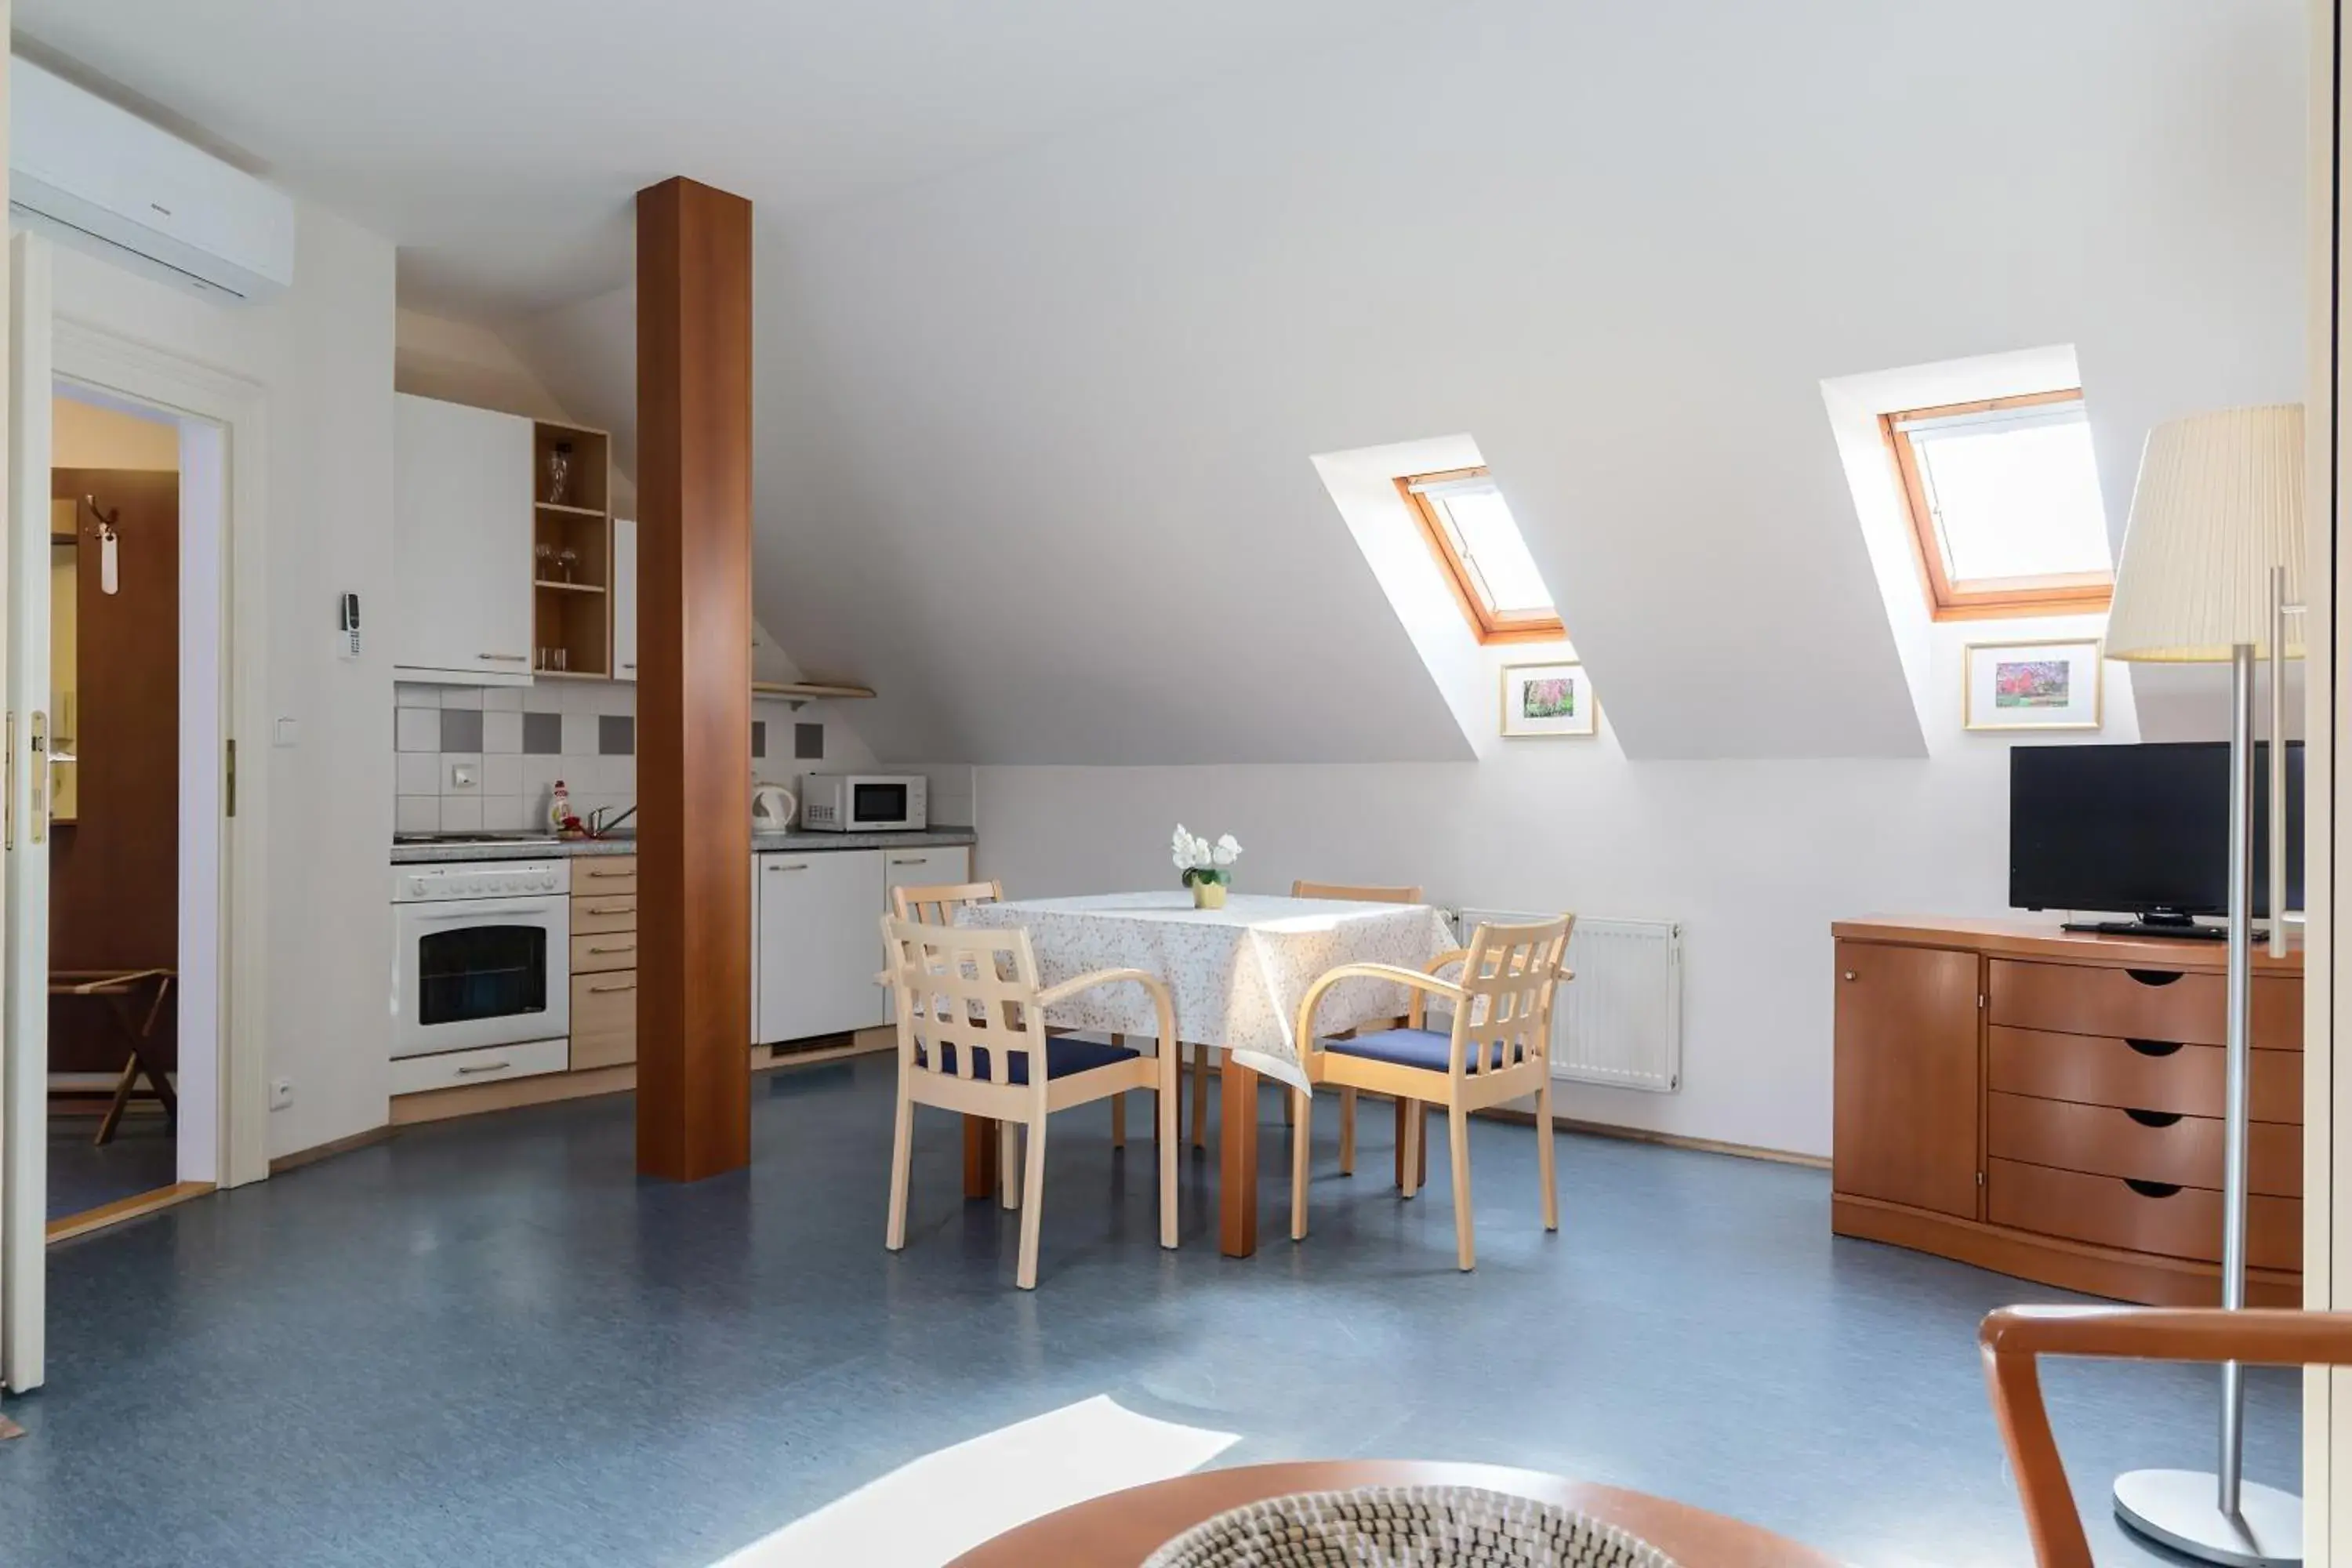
{"x":481,"y":972}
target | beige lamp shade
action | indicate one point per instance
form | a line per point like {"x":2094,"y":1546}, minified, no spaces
{"x":2219,"y":503}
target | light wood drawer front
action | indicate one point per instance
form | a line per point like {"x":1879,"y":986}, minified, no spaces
{"x":2098,"y":1140}
{"x":601,"y":875}
{"x":2090,"y":1070}
{"x":2175,"y":1222}
{"x":593,"y":916}
{"x":2139,"y":1004}
{"x":414,"y":1075}
{"x":604,"y":1019}
{"x":611,"y":950}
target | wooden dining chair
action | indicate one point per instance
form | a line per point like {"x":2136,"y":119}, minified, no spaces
{"x":2012,"y":1338}
{"x":1306,"y":890}
{"x":936,"y":906}
{"x":973,"y":1039}
{"x":1498,"y":1050}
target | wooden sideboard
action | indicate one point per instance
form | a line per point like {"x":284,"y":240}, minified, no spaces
{"x":2049,"y":1105}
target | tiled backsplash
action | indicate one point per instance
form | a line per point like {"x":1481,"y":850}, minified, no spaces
{"x":488,"y":757}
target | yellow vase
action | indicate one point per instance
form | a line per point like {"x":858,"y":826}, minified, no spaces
{"x":1208,"y":895}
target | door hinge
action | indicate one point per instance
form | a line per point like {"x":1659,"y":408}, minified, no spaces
{"x":1980,"y":1178}
{"x":37,"y":826}
{"x":229,"y":791}
{"x":1980,"y":1001}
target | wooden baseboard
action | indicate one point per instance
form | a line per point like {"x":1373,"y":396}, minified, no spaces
{"x":123,"y":1210}
{"x":282,"y":1164}
{"x":2119,"y":1275}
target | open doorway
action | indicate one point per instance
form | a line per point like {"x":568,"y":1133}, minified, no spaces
{"x":115,"y":1060}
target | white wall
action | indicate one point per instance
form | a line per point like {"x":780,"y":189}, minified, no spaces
{"x":323,"y":356}
{"x":1756,"y":858}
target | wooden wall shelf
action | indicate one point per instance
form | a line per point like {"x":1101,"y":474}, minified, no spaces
{"x":809,"y":690}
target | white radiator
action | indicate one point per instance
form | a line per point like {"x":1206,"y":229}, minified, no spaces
{"x":1619,"y":1021}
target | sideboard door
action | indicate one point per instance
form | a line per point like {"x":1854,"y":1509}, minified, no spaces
{"x":1908,"y":1085}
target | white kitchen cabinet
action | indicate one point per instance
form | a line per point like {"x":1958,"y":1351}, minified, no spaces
{"x":820,"y":943}
{"x":461,"y":601}
{"x":625,"y":599}
{"x":941,"y":866}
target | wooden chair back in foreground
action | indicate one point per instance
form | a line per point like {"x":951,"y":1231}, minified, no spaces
{"x":972,"y":1040}
{"x":1497,"y":1049}
{"x":1306,"y":890}
{"x":2013,"y":1337}
{"x":938,"y":906}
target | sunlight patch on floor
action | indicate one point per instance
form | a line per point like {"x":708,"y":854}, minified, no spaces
{"x":929,"y":1511}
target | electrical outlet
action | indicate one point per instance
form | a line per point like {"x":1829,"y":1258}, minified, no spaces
{"x":282,"y":1093}
{"x":464,"y":775}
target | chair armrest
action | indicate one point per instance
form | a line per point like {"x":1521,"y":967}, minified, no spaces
{"x":1161,"y":1003}
{"x":2011,"y":1338}
{"x":1422,"y":984}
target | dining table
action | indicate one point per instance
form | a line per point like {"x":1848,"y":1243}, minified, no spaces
{"x":1237,"y":974}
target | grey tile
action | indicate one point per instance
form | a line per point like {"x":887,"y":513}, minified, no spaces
{"x":461,"y":730}
{"x":416,"y":729}
{"x":617,"y":735}
{"x":502,"y":732}
{"x":758,"y":738}
{"x":543,"y":734}
{"x":808,"y":742}
{"x":579,"y":734}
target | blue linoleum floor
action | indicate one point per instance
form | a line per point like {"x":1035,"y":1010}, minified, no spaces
{"x":487,"y":1343}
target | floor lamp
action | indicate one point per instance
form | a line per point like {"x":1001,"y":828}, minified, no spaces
{"x":2212,"y":571}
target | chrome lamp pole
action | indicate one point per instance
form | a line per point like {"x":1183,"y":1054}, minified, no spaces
{"x":2211,"y":559}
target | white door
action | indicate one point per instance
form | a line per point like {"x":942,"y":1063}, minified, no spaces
{"x":625,"y":599}
{"x":820,"y":944}
{"x":944,"y":867}
{"x":24,"y":881}
{"x":461,"y":542}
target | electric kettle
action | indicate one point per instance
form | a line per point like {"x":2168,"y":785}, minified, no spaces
{"x":772,"y":808}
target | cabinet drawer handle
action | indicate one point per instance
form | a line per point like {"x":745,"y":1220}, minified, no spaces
{"x":911,"y":860}
{"x":504,"y":658}
{"x":2153,"y":1117}
{"x":2151,"y":1189}
{"x":626,"y":947}
{"x":626,"y":985}
{"x":613,"y":908}
{"x":612,"y":873}
{"x":2154,"y":976}
{"x":483,"y":1066}
{"x":794,"y":866}
{"x":2154,"y":1047}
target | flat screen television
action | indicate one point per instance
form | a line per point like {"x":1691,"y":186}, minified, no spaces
{"x":2143,"y":830}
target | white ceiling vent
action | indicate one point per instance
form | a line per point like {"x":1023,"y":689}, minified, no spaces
{"x":103,"y":180}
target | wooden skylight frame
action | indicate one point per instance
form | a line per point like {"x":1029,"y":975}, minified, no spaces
{"x":1488,"y":625}
{"x":2061,"y":593}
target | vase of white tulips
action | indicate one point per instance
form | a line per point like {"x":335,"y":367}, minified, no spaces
{"x":1208,"y":867}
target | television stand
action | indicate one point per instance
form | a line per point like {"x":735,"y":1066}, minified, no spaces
{"x":2188,"y":930}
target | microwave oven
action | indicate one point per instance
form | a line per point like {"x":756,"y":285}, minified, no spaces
{"x":863,"y":803}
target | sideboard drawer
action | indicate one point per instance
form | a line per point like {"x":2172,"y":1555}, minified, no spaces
{"x":609,"y":950}
{"x":2099,"y":1140}
{"x":2139,"y":1004}
{"x":2149,"y":1075}
{"x":454,"y":1070}
{"x":2176,"y":1222}
{"x":591,"y":914}
{"x":603,"y":876}
{"x":604,"y":1019}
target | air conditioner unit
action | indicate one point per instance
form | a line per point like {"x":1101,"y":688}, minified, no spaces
{"x":99,"y":178}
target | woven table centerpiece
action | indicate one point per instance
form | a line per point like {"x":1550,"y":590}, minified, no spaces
{"x":1405,"y":1527}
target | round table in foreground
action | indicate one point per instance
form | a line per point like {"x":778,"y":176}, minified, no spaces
{"x":1119,"y":1529}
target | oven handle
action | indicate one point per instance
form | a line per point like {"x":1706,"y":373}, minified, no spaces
{"x":471,"y":912}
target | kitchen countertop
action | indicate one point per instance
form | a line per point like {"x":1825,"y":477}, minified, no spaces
{"x":523,"y":847}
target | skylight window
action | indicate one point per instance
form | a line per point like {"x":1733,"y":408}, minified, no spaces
{"x":1484,"y":556}
{"x":2004,"y":499}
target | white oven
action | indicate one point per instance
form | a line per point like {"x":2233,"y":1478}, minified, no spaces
{"x":483,"y":954}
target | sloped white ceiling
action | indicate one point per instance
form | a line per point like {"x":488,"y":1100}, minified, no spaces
{"x":1036,"y":432}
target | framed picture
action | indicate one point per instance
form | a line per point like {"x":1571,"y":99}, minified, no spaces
{"x":2032,"y":685}
{"x":1548,"y":700}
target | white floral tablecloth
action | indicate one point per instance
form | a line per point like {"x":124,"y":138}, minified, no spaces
{"x":1237,"y":974}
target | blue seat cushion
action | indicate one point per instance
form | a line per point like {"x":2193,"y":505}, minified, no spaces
{"x":1065,"y":1057}
{"x":1431,"y":1050}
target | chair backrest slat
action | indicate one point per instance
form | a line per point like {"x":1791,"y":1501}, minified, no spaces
{"x":961,"y":989}
{"x":1509,"y":980}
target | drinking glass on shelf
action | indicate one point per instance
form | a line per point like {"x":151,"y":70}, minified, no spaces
{"x":545,"y":554}
{"x":567,"y":558}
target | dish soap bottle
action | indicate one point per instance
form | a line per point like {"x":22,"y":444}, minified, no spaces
{"x":559,"y":808}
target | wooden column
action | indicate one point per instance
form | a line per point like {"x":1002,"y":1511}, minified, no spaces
{"x":694,"y":681}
